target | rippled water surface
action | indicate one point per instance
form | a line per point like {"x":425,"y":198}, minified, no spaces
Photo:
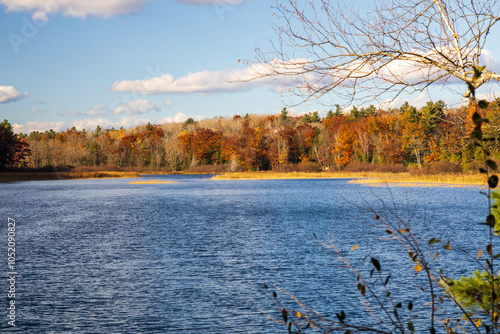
{"x":102,"y":256}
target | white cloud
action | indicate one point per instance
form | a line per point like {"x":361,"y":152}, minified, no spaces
{"x":294,"y":112}
{"x":491,"y":96}
{"x":404,"y":71}
{"x":294,"y":73}
{"x":489,"y":60}
{"x":42,"y":9}
{"x":40,"y":16}
{"x":488,"y":97}
{"x":180,"y":117}
{"x":92,"y":123}
{"x":421,"y":100}
{"x":411,"y":72}
{"x":388,"y":72}
{"x":96,"y":110}
{"x":225,"y":81}
{"x":200,"y":82}
{"x":416,"y":101}
{"x":71,"y":112}
{"x":40,"y":126}
{"x":10,"y":94}
{"x":35,"y":110}
{"x":135,"y":107}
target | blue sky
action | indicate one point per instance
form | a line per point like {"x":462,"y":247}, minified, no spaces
{"x":76,"y":63}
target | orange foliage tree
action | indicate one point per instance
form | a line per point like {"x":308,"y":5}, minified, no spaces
{"x":344,"y":145}
{"x":206,"y":145}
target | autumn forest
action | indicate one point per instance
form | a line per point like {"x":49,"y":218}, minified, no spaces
{"x":432,"y":138}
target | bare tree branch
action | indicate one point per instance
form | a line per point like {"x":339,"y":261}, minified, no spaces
{"x":330,"y":47}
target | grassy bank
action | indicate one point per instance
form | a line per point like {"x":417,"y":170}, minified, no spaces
{"x":409,"y":180}
{"x":365,"y":177}
{"x":40,"y":176}
{"x":293,"y":175}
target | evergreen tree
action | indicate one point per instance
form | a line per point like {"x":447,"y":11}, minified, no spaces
{"x":315,"y":117}
{"x":284,"y":114}
{"x":13,"y":150}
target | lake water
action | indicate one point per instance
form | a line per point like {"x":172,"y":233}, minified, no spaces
{"x":102,"y":256}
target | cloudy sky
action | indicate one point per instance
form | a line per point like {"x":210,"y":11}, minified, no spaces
{"x":85,"y":63}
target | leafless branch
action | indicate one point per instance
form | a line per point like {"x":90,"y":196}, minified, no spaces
{"x":329,"y":47}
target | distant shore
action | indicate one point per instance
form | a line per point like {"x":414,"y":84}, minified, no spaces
{"x":43,"y":176}
{"x":79,"y":174}
{"x":367,"y":178}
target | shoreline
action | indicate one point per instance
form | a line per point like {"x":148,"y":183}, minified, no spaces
{"x":366,"y":178}
{"x":50,"y":176}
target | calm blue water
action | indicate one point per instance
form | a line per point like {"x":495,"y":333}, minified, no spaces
{"x":102,"y":256}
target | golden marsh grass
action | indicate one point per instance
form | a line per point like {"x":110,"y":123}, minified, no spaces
{"x":295,"y":175}
{"x":368,"y":178}
{"x":408,"y":180}
{"x":377,"y":183}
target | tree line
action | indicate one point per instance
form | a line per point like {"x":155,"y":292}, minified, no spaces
{"x":418,"y":137}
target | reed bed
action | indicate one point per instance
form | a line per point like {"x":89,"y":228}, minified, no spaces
{"x":419,"y":185}
{"x":364,"y":177}
{"x":428,"y":180}
{"x":42,"y":176}
{"x":297,"y":175}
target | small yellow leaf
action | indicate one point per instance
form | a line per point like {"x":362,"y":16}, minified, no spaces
{"x":418,"y":267}
{"x":298,"y":314}
{"x":479,"y":253}
{"x":478,"y":322}
{"x":355,"y":246}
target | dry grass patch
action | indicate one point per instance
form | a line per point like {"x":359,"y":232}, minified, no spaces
{"x":99,"y":175}
{"x":153,"y":182}
{"x":418,"y":185}
{"x":407,"y":179}
{"x":297,"y":175}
